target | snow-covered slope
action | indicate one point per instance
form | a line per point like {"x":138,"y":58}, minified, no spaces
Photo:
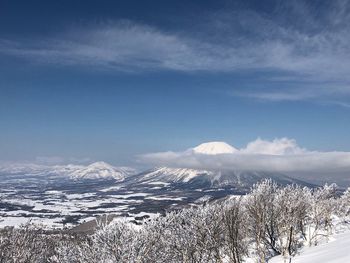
{"x":336,"y":251}
{"x":172,"y":175}
{"x":201,"y":178}
{"x":214,"y":148}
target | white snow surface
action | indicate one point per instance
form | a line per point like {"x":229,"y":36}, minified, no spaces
{"x":168,"y":175}
{"x":337,"y":250}
{"x":213,"y":148}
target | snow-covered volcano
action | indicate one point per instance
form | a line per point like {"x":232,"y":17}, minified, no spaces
{"x":214,"y":148}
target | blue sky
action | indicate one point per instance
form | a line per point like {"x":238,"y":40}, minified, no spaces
{"x":109,"y":80}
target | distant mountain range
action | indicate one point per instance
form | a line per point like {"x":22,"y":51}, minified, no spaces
{"x":57,"y":195}
{"x":97,"y":170}
{"x":192,"y":178}
{"x":181,"y":177}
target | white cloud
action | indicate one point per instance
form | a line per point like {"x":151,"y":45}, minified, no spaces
{"x":123,"y":46}
{"x":313,"y":52}
{"x":323,"y":55}
{"x":282,"y":146}
{"x":279,"y":155}
{"x":134,"y":47}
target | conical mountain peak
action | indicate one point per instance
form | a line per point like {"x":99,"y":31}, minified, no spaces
{"x":214,"y":148}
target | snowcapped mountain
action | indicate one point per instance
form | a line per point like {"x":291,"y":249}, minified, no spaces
{"x":214,"y":148}
{"x":101,"y":170}
{"x":22,"y":168}
{"x":97,"y":170}
{"x":194,"y":178}
{"x":186,"y":177}
{"x":206,"y":179}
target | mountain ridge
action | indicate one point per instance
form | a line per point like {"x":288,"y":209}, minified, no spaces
{"x":96,"y":170}
{"x":191,"y":178}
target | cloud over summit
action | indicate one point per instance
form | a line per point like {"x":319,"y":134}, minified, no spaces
{"x":279,"y":155}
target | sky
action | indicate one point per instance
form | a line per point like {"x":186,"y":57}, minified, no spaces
{"x":107,"y":80}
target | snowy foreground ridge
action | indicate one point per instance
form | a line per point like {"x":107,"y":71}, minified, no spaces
{"x":270,"y":224}
{"x":336,"y":251}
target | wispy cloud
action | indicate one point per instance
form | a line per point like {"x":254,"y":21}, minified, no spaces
{"x":279,"y":155}
{"x":277,"y":95}
{"x":312,"y":51}
{"x":123,"y":46}
{"x":138,"y":47}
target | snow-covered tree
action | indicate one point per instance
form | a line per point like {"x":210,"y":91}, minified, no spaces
{"x":261,"y":215}
{"x":291,"y":208}
{"x":235,"y":230}
{"x":26,"y":244}
{"x":323,"y":204}
{"x":344,"y":206}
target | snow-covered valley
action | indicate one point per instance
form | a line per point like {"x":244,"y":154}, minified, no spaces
{"x":68,"y":196}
